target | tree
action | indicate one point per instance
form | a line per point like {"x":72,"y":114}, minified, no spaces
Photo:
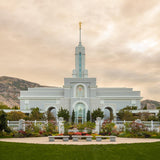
{"x":35,"y":114}
{"x":3,"y":106}
{"x":158,"y":115}
{"x":130,"y":108}
{"x":15,"y":115}
{"x":97,"y":113}
{"x":126,"y":115}
{"x":64,"y":113}
{"x":15,"y":107}
{"x":73,"y":116}
{"x":3,"y":122}
{"x":111,"y":116}
{"x":88,"y":116}
{"x":145,"y":107}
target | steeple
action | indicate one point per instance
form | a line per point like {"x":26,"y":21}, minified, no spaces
{"x":80,"y":24}
{"x":80,"y":71}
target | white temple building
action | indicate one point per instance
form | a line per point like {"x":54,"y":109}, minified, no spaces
{"x":79,"y":93}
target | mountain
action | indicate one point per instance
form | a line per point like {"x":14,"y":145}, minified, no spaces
{"x":151,"y":104}
{"x":10,"y":89}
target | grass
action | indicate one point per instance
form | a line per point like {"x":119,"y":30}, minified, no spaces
{"x":21,"y":151}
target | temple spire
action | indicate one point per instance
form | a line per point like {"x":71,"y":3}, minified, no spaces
{"x":80,"y":71}
{"x":80,"y":24}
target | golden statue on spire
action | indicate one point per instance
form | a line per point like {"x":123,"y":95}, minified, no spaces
{"x":80,"y":23}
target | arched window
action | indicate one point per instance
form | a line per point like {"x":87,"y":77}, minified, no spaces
{"x":53,"y":111}
{"x":80,"y":91}
{"x":108,"y":113}
{"x":80,"y":113}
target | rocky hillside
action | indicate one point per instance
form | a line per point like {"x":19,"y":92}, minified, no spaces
{"x":10,"y":88}
{"x":150,"y":104}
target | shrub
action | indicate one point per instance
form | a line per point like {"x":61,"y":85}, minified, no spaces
{"x":89,"y":126}
{"x":51,"y":127}
{"x":81,"y":126}
{"x":136,"y":127}
{"x":107,"y":127}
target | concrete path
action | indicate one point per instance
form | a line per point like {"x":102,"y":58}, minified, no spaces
{"x":44,"y":140}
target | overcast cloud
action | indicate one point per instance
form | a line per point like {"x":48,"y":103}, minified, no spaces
{"x":122,"y":40}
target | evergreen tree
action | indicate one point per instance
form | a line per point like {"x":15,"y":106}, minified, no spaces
{"x":64,"y":113}
{"x":73,"y":116}
{"x":3,"y":122}
{"x":145,"y":107}
{"x":88,"y":116}
{"x":158,"y":115}
{"x":97,"y":113}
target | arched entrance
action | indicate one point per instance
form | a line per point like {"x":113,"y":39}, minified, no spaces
{"x":52,"y":113}
{"x":80,"y":113}
{"x":108,"y":113}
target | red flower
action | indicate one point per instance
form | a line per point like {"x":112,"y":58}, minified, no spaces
{"x":61,"y":134}
{"x":78,"y":133}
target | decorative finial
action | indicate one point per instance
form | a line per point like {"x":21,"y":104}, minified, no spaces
{"x":80,"y":23}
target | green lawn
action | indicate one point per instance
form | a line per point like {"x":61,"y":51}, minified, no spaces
{"x":21,"y":151}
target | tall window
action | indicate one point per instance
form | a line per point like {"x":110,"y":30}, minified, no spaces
{"x":80,"y":64}
{"x":80,"y":91}
{"x":80,"y":113}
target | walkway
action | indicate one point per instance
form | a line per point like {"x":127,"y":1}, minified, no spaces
{"x":44,"y":140}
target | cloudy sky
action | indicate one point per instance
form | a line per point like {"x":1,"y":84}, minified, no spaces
{"x":121,"y":37}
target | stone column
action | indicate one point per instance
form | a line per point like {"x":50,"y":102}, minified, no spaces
{"x":22,"y":125}
{"x":61,"y":125}
{"x":98,"y":125}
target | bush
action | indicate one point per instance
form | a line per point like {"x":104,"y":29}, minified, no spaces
{"x":89,"y":126}
{"x":107,"y":127}
{"x":136,"y":127}
{"x":51,"y":128}
{"x":81,"y":126}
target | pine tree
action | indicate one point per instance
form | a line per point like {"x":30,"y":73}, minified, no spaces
{"x":145,"y":107}
{"x":64,"y":113}
{"x":97,"y":113}
{"x":88,"y":115}
{"x":73,"y":116}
